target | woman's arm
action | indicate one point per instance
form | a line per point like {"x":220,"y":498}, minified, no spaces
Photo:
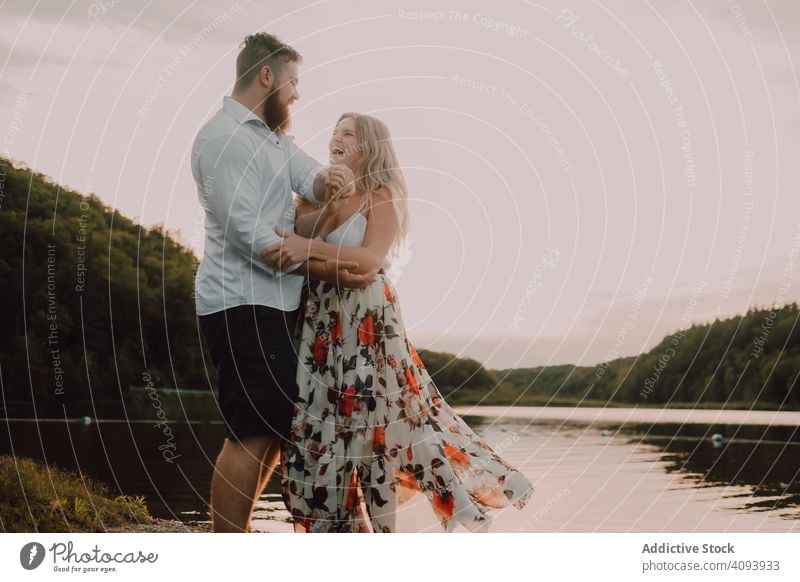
{"x":310,"y":217}
{"x":342,"y":274}
{"x":307,"y":217}
{"x":382,"y":227}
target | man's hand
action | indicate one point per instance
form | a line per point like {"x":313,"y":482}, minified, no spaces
{"x":292,"y":249}
{"x":339,"y":182}
{"x":270,"y":258}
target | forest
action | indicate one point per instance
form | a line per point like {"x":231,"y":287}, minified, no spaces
{"x":746,"y":361}
{"x":91,"y":302}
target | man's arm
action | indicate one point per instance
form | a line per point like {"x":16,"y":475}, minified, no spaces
{"x":382,"y":226}
{"x":232,"y":186}
{"x":308,"y":176}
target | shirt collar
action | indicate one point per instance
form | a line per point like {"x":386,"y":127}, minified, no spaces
{"x":241,"y":113}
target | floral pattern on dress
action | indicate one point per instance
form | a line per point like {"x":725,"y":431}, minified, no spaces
{"x":370,"y":428}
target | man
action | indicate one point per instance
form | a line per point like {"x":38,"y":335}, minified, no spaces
{"x":246,"y":168}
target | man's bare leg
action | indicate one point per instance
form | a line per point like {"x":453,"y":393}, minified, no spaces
{"x":268,"y":464}
{"x":236,"y":477}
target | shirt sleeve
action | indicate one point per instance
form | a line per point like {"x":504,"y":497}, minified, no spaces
{"x":303,"y":170}
{"x":232,"y":193}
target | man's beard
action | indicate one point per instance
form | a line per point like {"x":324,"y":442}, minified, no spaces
{"x":277,"y":114}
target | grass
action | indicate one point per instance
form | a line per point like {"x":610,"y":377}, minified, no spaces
{"x":35,"y":497}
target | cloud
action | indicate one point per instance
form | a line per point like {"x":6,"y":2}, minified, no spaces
{"x":21,"y":55}
{"x":172,"y":21}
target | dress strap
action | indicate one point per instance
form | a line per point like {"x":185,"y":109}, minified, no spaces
{"x":364,"y":200}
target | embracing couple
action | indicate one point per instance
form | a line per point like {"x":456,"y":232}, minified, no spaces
{"x":328,"y":389}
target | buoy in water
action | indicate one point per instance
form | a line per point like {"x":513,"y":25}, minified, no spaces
{"x":86,"y":420}
{"x":717,"y":439}
{"x":605,"y":432}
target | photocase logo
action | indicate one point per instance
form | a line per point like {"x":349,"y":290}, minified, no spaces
{"x":31,"y":555}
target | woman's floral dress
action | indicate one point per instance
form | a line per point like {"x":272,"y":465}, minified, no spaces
{"x":370,"y":429}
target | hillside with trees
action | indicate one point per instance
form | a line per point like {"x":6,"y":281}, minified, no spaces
{"x":742,"y":362}
{"x":91,"y":302}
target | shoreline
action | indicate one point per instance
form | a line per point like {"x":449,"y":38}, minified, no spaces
{"x":159,"y":525}
{"x":637,"y":415}
{"x":558,"y":409}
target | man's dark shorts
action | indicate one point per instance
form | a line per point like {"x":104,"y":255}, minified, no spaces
{"x":253,"y":350}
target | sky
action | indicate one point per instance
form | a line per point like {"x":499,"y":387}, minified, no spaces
{"x":584,"y":177}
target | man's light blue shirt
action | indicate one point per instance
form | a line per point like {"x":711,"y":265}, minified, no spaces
{"x":245,"y":175}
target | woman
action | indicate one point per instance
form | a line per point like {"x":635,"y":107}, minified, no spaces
{"x":370,"y":429}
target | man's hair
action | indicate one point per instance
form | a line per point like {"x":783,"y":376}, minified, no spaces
{"x":261,"y":49}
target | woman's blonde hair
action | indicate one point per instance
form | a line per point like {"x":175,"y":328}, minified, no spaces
{"x":378,"y":167}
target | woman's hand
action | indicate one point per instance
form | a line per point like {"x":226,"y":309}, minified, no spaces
{"x":350,"y":280}
{"x":345,"y":278}
{"x":339,"y":182}
{"x":292,"y":249}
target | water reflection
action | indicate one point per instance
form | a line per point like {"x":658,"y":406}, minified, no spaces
{"x":765,"y":458}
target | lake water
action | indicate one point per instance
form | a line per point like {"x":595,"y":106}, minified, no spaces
{"x":594,"y":470}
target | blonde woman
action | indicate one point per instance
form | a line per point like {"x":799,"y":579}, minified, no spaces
{"x":370,"y":429}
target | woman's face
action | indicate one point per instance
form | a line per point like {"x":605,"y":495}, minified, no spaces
{"x":344,"y":147}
